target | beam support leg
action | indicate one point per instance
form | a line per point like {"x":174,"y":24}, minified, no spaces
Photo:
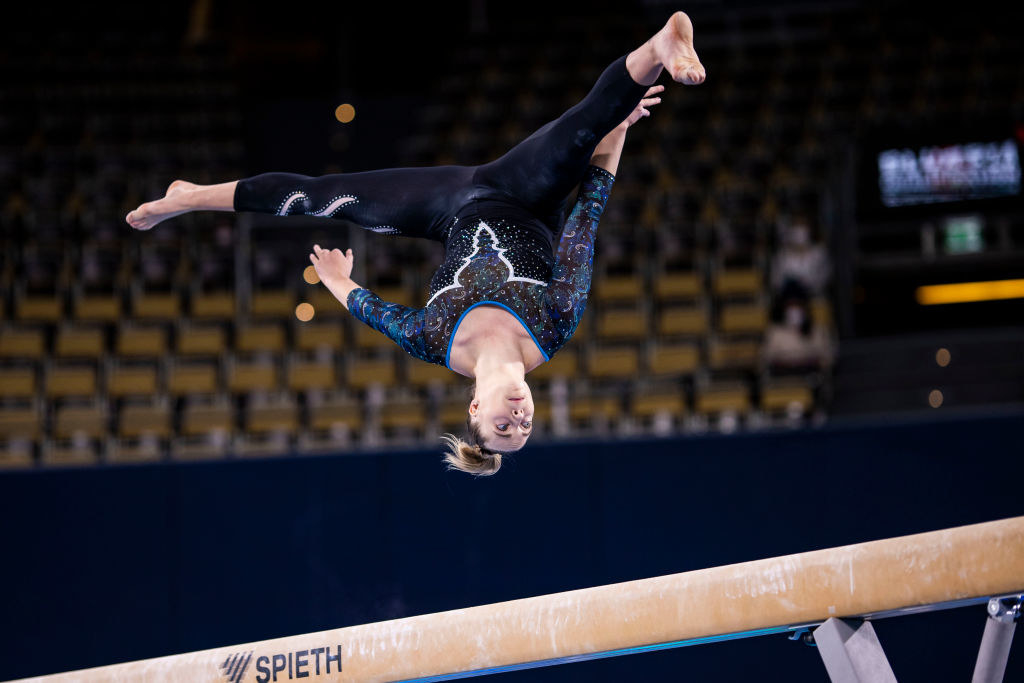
{"x":995,"y":643}
{"x":852,"y":653}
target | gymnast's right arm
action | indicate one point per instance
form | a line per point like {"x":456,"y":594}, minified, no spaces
{"x":403,"y":325}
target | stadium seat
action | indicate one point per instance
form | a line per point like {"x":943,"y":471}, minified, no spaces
{"x":306,"y":376}
{"x":280,"y":416}
{"x":157,"y":306}
{"x":618,"y":289}
{"x":676,"y":286}
{"x":367,"y":338}
{"x":70,"y":382}
{"x":20,"y":424}
{"x":779,"y":396}
{"x":743,"y":319}
{"x":316,"y":336}
{"x":403,"y":414}
{"x":131,"y":380}
{"x":272,"y":304}
{"x":106,"y":309}
{"x":396,"y":295}
{"x":74,"y":421}
{"x":733,"y":355}
{"x":364,"y":372}
{"x":44,"y":309}
{"x":585,"y":409}
{"x":453,"y":415}
{"x":141,"y":342}
{"x":613,"y":363}
{"x":213,"y":305}
{"x":199,"y":419}
{"x":334,"y":413}
{"x":565,"y":363}
{"x":144,"y":420}
{"x":262,"y":338}
{"x":79,"y":342}
{"x":246,"y":377}
{"x":650,"y":405}
{"x":421,"y":373}
{"x":622,"y":325}
{"x":674,"y":360}
{"x":737,"y":282}
{"x":17,"y":383}
{"x":191,"y":378}
{"x":22,"y":343}
{"x":324,"y":304}
{"x":70,"y":454}
{"x":683,"y":321}
{"x":720,"y":398}
{"x":205,"y":340}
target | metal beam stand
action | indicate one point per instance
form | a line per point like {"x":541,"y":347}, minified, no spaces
{"x":1003,"y":614}
{"x":852,"y":653}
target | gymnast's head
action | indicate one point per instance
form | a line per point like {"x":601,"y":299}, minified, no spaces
{"x":499,"y":421}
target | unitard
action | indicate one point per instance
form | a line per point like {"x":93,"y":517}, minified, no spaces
{"x":498,"y":223}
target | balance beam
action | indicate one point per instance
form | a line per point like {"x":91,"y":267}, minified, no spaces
{"x":923,"y":572}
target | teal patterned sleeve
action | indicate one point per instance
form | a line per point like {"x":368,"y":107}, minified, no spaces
{"x":574,"y":256}
{"x":403,"y":325}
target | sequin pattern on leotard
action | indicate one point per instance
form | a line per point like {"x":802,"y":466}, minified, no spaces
{"x":496,"y":261}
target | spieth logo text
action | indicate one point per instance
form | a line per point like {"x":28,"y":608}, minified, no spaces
{"x":317,"y":661}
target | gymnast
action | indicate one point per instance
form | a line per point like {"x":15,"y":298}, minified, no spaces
{"x":505,"y":299}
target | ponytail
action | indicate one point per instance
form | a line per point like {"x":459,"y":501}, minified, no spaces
{"x":472,"y":458}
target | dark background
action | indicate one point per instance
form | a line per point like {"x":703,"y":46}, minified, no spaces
{"x":113,"y":564}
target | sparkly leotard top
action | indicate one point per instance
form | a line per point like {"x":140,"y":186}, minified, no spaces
{"x":501,"y":256}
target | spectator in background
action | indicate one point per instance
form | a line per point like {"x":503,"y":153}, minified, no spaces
{"x":794,"y":341}
{"x":800,"y":259}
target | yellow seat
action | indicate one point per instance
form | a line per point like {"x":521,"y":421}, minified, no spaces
{"x":743,"y":319}
{"x":723,"y":398}
{"x":673,"y":286}
{"x":614,"y":363}
{"x":368,"y":338}
{"x":395,"y":295}
{"x":422,"y":373}
{"x":136,"y":421}
{"x":199,"y":419}
{"x":674,"y":359}
{"x":21,"y":343}
{"x":585,"y":409}
{"x":363,"y":373}
{"x":622,"y":324}
{"x":192,"y":379}
{"x":247,"y":377}
{"x":46,"y":309}
{"x":70,"y":454}
{"x":260,"y":338}
{"x":141,"y":342}
{"x":105,"y":309}
{"x":82,"y":342}
{"x":132,"y":381}
{"x":67,"y":382}
{"x":213,"y":306}
{"x":683,"y":321}
{"x":403,"y":415}
{"x":327,"y":416}
{"x":324,"y":303}
{"x":780,"y":397}
{"x":157,"y":306}
{"x":17,"y":383}
{"x":821,"y":312}
{"x":315,"y":336}
{"x":276,"y":417}
{"x":565,"y":363}
{"x":303,"y":376}
{"x":272,"y":304}
{"x":75,"y":421}
{"x":738,"y":282}
{"x":19,"y":423}
{"x":733,"y":355}
{"x":647,"y":406}
{"x":207,"y":340}
{"x":454,"y":414}
{"x":618,"y":288}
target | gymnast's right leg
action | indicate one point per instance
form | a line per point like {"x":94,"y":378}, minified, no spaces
{"x":416,"y":202}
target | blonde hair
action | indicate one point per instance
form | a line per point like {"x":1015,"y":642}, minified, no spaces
{"x":473,"y":458}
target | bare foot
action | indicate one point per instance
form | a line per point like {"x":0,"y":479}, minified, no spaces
{"x":674,"y":46}
{"x":172,"y":204}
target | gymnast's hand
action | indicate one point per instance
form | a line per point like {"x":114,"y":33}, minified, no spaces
{"x":643,"y":109}
{"x":334,"y":266}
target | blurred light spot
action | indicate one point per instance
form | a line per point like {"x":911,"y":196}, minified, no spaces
{"x":942,"y":357}
{"x":304,"y":312}
{"x":964,"y":292}
{"x":935,"y":398}
{"x":310,"y":276}
{"x":345,"y":113}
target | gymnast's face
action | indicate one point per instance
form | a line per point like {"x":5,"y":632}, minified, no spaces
{"x":504,"y":413}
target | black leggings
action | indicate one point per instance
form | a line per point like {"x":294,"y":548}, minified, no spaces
{"x":537,"y":174}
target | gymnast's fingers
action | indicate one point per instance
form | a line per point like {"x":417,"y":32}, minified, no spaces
{"x":654,"y":90}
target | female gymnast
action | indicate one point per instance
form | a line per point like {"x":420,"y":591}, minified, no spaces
{"x":505,"y":299}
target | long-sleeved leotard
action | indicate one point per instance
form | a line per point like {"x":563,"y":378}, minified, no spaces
{"x":546,"y":292}
{"x":497,"y":221}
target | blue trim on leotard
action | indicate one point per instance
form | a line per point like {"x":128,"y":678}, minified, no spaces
{"x":451,"y":340}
